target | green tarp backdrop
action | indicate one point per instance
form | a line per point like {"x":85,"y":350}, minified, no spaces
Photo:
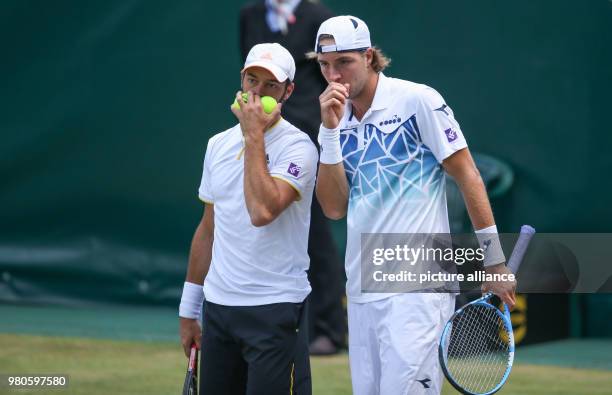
{"x":106,"y":108}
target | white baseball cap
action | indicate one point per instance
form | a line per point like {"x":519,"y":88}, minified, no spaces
{"x":350,"y":34}
{"x":274,"y":58}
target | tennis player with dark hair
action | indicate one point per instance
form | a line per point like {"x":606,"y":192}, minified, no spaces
{"x":250,"y":249}
{"x":386,"y":144}
{"x":293,"y":24}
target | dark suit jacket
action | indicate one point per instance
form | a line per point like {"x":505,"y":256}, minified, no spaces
{"x":302,"y":108}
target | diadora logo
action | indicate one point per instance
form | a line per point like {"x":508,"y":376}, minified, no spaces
{"x":393,"y":120}
{"x":443,"y":109}
{"x":424,"y":382}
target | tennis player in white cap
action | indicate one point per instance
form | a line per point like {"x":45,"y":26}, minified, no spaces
{"x":386,"y":144}
{"x":250,"y":248}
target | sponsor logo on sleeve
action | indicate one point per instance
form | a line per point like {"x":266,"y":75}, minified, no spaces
{"x":451,"y":135}
{"x":294,"y":169}
{"x":443,"y":109}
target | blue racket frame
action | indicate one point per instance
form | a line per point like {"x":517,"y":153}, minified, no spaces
{"x":514,"y":262}
{"x":443,"y":346}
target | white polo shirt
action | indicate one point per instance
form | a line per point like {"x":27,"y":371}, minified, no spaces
{"x":392,"y":160}
{"x":258,"y":265}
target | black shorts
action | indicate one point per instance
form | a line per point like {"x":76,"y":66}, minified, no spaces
{"x":255,"y":350}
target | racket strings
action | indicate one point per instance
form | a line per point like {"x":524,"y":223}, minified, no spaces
{"x":478,"y":350}
{"x":491,"y":366}
{"x":488,"y":367}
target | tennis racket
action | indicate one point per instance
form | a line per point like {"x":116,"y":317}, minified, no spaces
{"x":190,"y":387}
{"x":476,"y":349}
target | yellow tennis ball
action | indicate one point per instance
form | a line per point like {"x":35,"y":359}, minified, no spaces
{"x":245,"y":98}
{"x":268,"y":103}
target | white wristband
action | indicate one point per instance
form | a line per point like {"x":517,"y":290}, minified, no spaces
{"x":488,"y":239}
{"x":329,"y":140}
{"x":191,"y":301}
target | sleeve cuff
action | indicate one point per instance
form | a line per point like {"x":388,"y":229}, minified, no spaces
{"x":205,"y":199}
{"x":451,"y":150}
{"x":291,"y":184}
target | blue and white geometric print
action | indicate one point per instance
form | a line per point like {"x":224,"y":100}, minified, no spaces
{"x":385,"y":167}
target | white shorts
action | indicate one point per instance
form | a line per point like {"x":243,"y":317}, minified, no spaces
{"x":393,"y":343}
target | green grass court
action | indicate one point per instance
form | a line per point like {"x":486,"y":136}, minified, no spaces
{"x":136,"y":351}
{"x":128,"y":367}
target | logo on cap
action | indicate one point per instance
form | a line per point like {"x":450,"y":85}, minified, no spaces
{"x":451,"y":135}
{"x":273,"y":57}
{"x":294,"y":169}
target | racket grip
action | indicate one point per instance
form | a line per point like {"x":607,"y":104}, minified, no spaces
{"x":193,"y":358}
{"x":520,"y":248}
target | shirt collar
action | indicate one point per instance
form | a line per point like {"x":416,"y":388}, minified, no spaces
{"x":274,"y":128}
{"x":267,"y":135}
{"x":382,"y":99}
{"x":270,"y":131}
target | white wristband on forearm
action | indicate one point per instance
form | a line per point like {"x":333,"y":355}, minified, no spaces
{"x":489,"y":242}
{"x":329,"y":140}
{"x":191,"y":301}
